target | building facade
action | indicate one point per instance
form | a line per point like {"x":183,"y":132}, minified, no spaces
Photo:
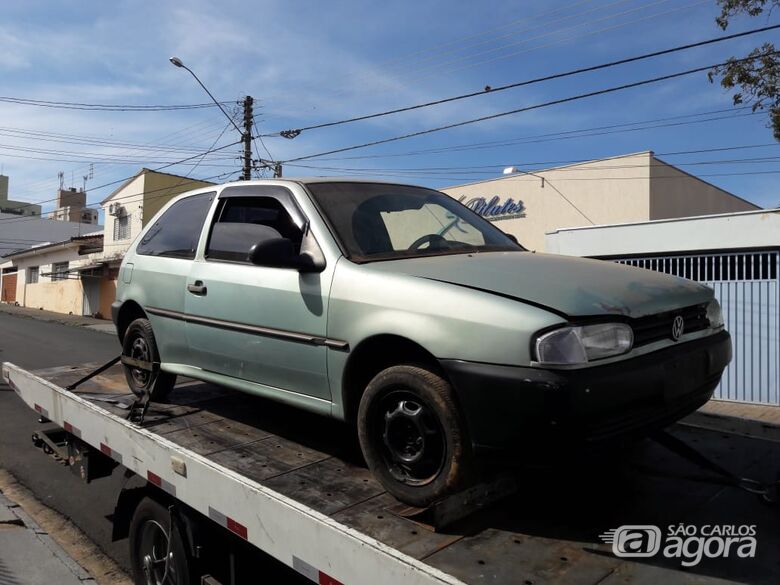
{"x":15,"y":207}
{"x":72,"y":206}
{"x":129,"y":208}
{"x":59,"y":277}
{"x":630,"y":188}
{"x":77,"y":274}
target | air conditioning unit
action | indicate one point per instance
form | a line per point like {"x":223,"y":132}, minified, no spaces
{"x":115,"y":209}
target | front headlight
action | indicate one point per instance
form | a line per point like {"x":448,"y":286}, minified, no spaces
{"x":714,"y":314}
{"x":582,"y":344}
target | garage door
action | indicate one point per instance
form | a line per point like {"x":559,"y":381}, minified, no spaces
{"x":8,"y":294}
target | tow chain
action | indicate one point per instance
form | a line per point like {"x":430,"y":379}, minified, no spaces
{"x":140,"y":405}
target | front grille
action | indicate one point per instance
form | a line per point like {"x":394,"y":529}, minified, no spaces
{"x":658,"y":327}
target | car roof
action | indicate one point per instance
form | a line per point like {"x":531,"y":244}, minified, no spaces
{"x":310,"y":180}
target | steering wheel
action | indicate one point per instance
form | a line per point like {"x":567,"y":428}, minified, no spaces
{"x":426,"y":239}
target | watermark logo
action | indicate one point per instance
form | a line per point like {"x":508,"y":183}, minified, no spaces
{"x":634,"y":540}
{"x":686,"y":542}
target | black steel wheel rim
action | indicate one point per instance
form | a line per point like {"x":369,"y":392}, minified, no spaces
{"x":139,"y":350}
{"x":411,"y":436}
{"x":157,"y":563}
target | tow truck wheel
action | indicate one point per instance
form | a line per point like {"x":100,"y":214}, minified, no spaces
{"x":413,"y":436}
{"x":140,"y":344}
{"x":157,"y":552}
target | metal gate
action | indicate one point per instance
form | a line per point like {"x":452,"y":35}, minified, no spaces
{"x":747,"y":284}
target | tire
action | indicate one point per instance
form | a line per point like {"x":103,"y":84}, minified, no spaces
{"x":139,"y":343}
{"x":413,"y":435}
{"x":150,"y":530}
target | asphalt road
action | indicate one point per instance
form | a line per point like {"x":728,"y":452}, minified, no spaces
{"x":572,"y":505}
{"x":37,"y":344}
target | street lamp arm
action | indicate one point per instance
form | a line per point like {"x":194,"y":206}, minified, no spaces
{"x":178,"y":63}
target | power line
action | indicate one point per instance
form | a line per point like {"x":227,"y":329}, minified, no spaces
{"x":296,"y":132}
{"x":490,"y":31}
{"x":537,"y":164}
{"x":529,"y":108}
{"x":589,"y":31}
{"x":554,"y":136}
{"x":186,"y":135}
{"x":106,"y":107}
{"x":40,"y":136}
{"x":131,"y":176}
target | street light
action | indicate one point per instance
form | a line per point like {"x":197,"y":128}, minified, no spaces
{"x":515,"y":170}
{"x":178,"y":63}
{"x":246,"y":134}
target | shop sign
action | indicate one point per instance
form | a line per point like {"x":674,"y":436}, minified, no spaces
{"x":494,"y":209}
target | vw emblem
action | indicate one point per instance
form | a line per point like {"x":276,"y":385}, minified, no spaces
{"x":678,"y":326}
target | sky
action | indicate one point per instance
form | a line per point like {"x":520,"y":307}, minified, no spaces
{"x":307,"y":62}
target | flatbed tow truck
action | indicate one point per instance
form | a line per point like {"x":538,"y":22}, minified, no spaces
{"x":240,"y":478}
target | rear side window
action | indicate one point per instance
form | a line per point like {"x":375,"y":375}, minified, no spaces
{"x":242,"y":222}
{"x":176,"y":232}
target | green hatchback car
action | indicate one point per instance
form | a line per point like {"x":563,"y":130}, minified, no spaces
{"x":398,"y":309}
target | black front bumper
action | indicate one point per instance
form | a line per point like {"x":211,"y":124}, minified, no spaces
{"x":509,"y":408}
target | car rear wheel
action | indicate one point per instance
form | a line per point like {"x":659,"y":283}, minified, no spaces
{"x":413,"y":436}
{"x":140,"y":344}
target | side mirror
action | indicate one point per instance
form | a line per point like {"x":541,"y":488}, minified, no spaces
{"x":511,"y":237}
{"x":280,"y":253}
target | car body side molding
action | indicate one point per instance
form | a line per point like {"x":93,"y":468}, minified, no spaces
{"x":252,"y":329}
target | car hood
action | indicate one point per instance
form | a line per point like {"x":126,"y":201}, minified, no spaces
{"x":566,"y":285}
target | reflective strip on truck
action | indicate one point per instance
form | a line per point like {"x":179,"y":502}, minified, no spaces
{"x":229,"y":523}
{"x":313,"y":573}
{"x":106,"y":450}
{"x":155,"y":479}
{"x":71,"y":429}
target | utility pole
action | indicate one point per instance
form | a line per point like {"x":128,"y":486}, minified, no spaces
{"x":246,"y":138}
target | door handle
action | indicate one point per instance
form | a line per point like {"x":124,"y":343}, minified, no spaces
{"x":197,"y":288}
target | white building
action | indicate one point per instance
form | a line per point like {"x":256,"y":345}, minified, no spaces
{"x":629,"y":188}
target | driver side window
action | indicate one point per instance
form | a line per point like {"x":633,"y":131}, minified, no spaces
{"x":242,"y":222}
{"x":405,"y":227}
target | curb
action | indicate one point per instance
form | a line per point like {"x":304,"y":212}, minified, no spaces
{"x":51,"y":317}
{"x":746,"y":427}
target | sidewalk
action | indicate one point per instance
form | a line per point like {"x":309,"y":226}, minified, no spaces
{"x":750,"y":420}
{"x":101,"y":325}
{"x":29,"y":556}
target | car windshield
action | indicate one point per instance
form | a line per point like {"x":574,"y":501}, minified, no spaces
{"x":376,"y":221}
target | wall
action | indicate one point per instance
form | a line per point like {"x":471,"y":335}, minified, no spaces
{"x":61,"y":296}
{"x":675,"y":193}
{"x":44,"y":260}
{"x":160,"y":188}
{"x":754,"y":229}
{"x":131,"y":198}
{"x":612,"y":190}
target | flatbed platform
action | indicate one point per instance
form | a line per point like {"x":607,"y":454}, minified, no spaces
{"x":294,"y":484}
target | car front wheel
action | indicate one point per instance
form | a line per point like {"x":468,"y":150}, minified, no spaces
{"x":413,"y":436}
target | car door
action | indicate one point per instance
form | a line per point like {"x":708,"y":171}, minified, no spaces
{"x":158,"y":272}
{"x":258,"y":323}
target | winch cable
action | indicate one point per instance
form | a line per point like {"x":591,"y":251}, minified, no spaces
{"x":766,"y":491}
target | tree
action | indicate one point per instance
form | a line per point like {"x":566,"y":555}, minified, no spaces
{"x":756,"y":77}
